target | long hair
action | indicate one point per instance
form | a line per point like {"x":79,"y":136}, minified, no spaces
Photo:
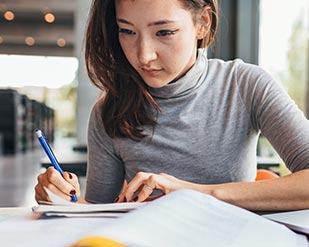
{"x":128,"y":106}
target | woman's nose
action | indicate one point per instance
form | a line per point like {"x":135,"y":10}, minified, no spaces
{"x":146,"y":51}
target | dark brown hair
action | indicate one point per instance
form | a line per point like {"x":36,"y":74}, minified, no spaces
{"x":128,"y":106}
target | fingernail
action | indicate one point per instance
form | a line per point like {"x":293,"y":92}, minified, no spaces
{"x":116,"y":200}
{"x":135,"y":199}
{"x":72,"y":192}
{"x":70,"y":176}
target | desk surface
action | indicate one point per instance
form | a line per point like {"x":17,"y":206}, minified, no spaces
{"x":20,"y":227}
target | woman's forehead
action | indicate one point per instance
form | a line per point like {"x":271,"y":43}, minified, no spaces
{"x":148,"y":5}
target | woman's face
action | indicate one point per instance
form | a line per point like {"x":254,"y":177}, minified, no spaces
{"x":158,"y":37}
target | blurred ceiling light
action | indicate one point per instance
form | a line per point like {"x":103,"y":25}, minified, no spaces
{"x":30,"y":41}
{"x":9,"y":15}
{"x":61,"y":42}
{"x":49,"y":17}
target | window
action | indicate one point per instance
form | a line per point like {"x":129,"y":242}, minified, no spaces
{"x":284,"y":45}
{"x":284,"y":51}
{"x":47,"y":79}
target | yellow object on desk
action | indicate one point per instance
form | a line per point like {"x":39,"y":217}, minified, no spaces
{"x":97,"y":242}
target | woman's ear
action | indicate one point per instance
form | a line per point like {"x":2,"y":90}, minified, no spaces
{"x":204,"y":22}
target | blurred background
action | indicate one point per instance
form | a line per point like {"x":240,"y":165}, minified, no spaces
{"x":43,"y":82}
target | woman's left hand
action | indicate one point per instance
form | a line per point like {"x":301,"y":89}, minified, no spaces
{"x":143,"y":184}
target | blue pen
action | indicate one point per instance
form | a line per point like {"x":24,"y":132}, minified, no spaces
{"x":51,"y":155}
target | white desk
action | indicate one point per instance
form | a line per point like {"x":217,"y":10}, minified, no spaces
{"x":19,"y":227}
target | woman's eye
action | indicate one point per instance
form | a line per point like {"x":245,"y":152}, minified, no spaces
{"x":125,"y":31}
{"x":166,"y":32}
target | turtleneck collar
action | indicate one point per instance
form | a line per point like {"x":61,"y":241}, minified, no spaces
{"x":186,"y":83}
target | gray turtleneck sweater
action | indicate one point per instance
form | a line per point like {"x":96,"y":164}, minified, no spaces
{"x":206,"y":132}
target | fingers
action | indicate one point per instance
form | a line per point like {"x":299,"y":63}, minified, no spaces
{"x":142,"y":186}
{"x":63,"y":187}
{"x":72,"y":179}
{"x":40,"y":194}
{"x":152,"y":198}
{"x":149,"y":186}
{"x":135,"y":185}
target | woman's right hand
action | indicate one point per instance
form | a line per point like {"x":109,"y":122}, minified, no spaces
{"x":63,"y":186}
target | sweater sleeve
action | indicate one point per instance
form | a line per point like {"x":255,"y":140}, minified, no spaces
{"x":277,"y":116}
{"x":105,"y":170}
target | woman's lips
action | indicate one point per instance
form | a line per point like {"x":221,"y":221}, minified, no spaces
{"x":151,"y":72}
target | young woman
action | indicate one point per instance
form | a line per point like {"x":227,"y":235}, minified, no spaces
{"x":172,"y":119}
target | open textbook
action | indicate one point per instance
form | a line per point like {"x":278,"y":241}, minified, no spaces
{"x":189,"y":218}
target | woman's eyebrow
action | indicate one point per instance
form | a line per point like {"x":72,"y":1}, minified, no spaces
{"x":160,"y":22}
{"x":124,"y":21}
{"x":154,"y":23}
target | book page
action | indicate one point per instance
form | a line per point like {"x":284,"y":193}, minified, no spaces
{"x":189,"y":218}
{"x":297,"y":220}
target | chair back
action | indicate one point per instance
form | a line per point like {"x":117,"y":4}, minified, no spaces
{"x":263,"y":174}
